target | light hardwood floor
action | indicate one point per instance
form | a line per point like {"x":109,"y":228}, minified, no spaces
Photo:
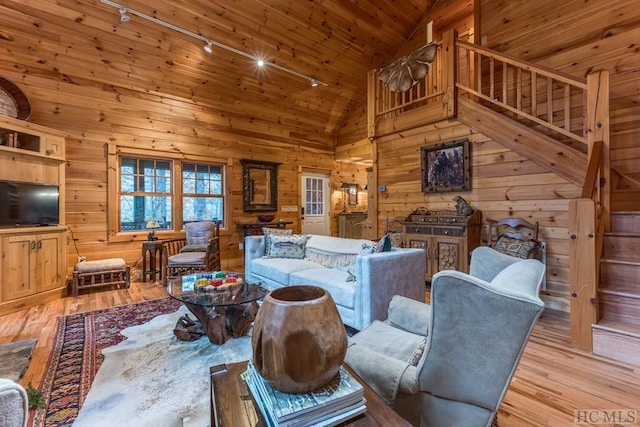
{"x":553,"y":380}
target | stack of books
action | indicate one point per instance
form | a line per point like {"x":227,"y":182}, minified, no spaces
{"x":339,"y":400}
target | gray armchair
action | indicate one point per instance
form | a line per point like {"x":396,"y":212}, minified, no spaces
{"x":198,"y":251}
{"x":14,"y":405}
{"x":450,"y":363}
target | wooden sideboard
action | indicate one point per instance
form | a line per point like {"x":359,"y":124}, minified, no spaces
{"x":252,"y":228}
{"x":447,"y":239}
{"x":34,"y":259}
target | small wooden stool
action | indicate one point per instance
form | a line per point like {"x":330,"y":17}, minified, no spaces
{"x":104,"y":272}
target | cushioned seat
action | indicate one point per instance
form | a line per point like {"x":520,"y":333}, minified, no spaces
{"x":100,"y":273}
{"x":14,"y":405}
{"x":450,"y":363}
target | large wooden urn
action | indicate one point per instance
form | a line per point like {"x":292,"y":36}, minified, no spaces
{"x":298,"y":339}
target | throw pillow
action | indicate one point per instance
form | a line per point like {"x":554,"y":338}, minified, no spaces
{"x":515,"y":247}
{"x":384,"y":244}
{"x":193,"y":248}
{"x":268,"y":232}
{"x":288,"y":246}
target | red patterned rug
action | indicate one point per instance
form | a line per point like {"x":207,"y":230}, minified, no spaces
{"x":76,"y":355}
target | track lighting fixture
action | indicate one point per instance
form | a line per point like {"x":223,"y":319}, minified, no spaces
{"x":124,"y":17}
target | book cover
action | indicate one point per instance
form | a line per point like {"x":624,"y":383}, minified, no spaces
{"x":285,"y":408}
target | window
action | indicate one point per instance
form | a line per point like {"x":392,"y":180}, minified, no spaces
{"x":172,"y":191}
{"x":145,"y":193}
{"x":202,"y":192}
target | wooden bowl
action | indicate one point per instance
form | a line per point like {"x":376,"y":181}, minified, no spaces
{"x":266,"y":218}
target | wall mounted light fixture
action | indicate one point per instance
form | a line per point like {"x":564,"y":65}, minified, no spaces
{"x":209,"y":42}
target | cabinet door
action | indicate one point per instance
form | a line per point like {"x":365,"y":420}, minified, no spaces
{"x":447,"y":252}
{"x":49,"y":248}
{"x":18,"y":266}
{"x":421,"y":242}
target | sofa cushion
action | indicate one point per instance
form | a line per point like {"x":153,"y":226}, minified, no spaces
{"x":279,"y":269}
{"x":334,"y":281}
{"x":268,"y":232}
{"x":338,"y":245}
{"x":287,"y":246}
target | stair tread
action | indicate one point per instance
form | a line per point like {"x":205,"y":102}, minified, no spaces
{"x":621,"y":234}
{"x":617,"y":326}
{"x":620,"y":261}
{"x":620,"y":291}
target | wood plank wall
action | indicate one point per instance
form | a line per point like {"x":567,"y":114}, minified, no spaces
{"x":95,"y":115}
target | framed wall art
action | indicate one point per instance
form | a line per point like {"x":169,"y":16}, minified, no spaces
{"x":445,"y":167}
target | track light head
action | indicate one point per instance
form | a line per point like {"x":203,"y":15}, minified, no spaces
{"x":314,"y":83}
{"x":123,"y":15}
{"x":260,"y":62}
{"x":208,"y":47}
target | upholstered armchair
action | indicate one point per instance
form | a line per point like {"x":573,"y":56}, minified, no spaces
{"x":14,"y":405}
{"x":198,"y":251}
{"x":449,"y":363}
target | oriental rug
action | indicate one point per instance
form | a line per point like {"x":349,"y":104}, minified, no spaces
{"x":77,"y":355}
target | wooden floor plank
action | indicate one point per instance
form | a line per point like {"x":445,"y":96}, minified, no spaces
{"x":552,"y":381}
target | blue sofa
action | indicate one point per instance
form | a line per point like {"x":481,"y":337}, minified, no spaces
{"x":361,"y":284}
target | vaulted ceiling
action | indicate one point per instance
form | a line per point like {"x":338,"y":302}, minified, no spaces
{"x":334,"y":41}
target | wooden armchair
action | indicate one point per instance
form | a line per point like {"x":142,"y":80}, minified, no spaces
{"x":517,"y":237}
{"x":198,"y":251}
{"x":394,"y":228}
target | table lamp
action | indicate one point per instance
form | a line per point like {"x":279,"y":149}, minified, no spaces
{"x":344,"y":187}
{"x":152,"y":225}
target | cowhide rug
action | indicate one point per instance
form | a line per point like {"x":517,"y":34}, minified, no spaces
{"x":153,"y":379}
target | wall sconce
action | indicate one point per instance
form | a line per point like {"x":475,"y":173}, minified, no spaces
{"x":344,"y":187}
{"x":152,"y":225}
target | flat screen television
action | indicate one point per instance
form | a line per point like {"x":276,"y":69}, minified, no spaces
{"x":28,"y":204}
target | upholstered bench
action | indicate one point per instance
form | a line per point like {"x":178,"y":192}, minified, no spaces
{"x":104,"y":272}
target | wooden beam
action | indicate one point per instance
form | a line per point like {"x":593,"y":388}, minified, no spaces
{"x":582,"y":272}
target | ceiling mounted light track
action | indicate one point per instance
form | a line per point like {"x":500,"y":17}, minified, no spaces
{"x":209,"y":43}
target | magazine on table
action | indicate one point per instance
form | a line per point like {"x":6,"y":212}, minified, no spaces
{"x":340,"y":399}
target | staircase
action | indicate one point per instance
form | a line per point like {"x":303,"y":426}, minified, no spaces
{"x":617,"y":334}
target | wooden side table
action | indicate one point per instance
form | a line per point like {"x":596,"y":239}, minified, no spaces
{"x":153,"y":250}
{"x":232,"y":403}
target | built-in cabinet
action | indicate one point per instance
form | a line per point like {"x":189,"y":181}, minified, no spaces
{"x":350,"y":225}
{"x":446,"y":238}
{"x":33,"y":261}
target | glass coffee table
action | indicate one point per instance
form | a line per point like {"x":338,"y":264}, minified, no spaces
{"x":222,"y":308}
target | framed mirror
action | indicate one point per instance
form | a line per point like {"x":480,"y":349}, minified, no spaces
{"x":259,"y":185}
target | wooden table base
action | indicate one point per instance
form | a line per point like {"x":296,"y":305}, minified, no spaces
{"x":218,"y":323}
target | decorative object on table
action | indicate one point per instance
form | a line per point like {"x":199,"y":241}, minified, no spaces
{"x":462,"y":207}
{"x":405,"y":72}
{"x":152,"y":225}
{"x":298,"y":339}
{"x":445,"y":167}
{"x":338,"y":400}
{"x":266,"y":218}
{"x":344,"y":187}
{"x":13,"y":102}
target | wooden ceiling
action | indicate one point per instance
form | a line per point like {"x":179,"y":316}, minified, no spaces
{"x":335,"y":41}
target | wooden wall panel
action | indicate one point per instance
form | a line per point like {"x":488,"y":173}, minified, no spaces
{"x":578,"y":38}
{"x":503,"y":184}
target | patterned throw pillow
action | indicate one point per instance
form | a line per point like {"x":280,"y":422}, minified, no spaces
{"x":515,"y":247}
{"x":268,"y":232}
{"x":384,"y":244}
{"x":287,"y":246}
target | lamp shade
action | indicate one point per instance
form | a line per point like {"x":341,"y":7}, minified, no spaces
{"x":153,"y":224}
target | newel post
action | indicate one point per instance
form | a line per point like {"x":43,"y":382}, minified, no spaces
{"x":449,"y":73}
{"x":583,"y":272}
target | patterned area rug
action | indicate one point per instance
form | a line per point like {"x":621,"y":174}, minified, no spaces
{"x":76,"y":355}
